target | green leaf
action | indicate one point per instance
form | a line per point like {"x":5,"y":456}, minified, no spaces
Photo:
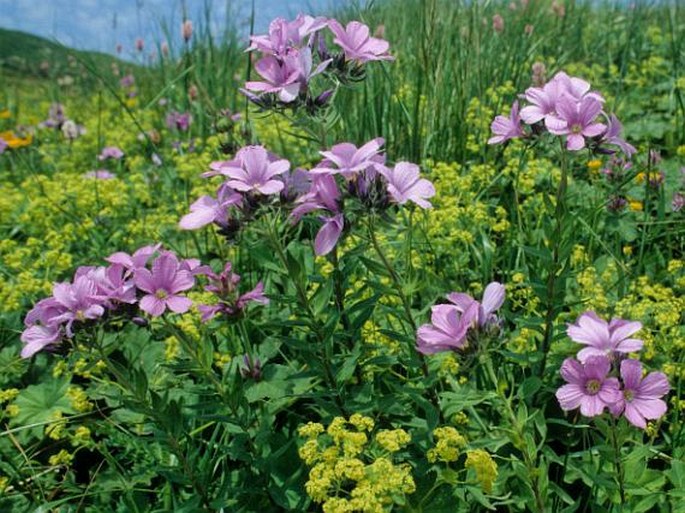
{"x":39,"y":403}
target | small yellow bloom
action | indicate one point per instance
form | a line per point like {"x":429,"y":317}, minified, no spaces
{"x":484,"y":466}
{"x":635,"y":205}
{"x":594,"y":165}
{"x":14,"y":141}
{"x":61,"y":458}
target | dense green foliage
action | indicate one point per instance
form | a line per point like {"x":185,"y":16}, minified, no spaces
{"x":171,"y":413}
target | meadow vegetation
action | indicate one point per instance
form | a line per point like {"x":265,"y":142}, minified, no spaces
{"x":419,"y":268}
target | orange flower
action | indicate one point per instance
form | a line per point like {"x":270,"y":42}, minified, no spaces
{"x":13,"y":141}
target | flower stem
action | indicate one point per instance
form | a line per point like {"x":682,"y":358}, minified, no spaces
{"x":620,"y":472}
{"x":556,"y":263}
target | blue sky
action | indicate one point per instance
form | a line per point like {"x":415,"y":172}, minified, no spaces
{"x":102,"y":24}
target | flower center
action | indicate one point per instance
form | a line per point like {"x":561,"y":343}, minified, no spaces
{"x":593,"y":386}
{"x":161,"y":294}
{"x":80,"y":316}
{"x":576,"y":129}
{"x":629,"y":395}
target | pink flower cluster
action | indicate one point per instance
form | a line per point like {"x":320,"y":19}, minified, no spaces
{"x":567,"y":107}
{"x":287,"y":62}
{"x":225,"y":287}
{"x":593,"y":383}
{"x":362,"y":169}
{"x":94,"y":291}
{"x":452,"y":323}
{"x":152,"y":278}
{"x":255,"y":174}
{"x":179,"y":121}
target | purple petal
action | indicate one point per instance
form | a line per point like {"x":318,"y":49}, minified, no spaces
{"x":655,"y":384}
{"x":597,"y":367}
{"x":178,"y":304}
{"x":152,"y":305}
{"x":493,"y":298}
{"x":328,"y":235}
{"x":570,"y":396}
{"x":572,"y":371}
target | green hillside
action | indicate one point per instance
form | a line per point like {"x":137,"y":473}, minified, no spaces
{"x":26,"y":55}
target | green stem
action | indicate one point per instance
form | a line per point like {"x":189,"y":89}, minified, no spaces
{"x":519,"y":440}
{"x":340,"y":292}
{"x":556,"y":264}
{"x":620,"y":472}
{"x":315,"y":325}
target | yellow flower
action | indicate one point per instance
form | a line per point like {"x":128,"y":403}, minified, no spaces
{"x":8,"y":394}
{"x":447,"y":446}
{"x":393,"y":440}
{"x":14,"y":141}
{"x":594,"y":166}
{"x":635,"y":205}
{"x":61,"y":458}
{"x":310,"y":430}
{"x":484,"y":466}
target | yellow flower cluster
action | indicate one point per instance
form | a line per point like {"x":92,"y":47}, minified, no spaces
{"x":8,"y":394}
{"x":448,"y":443}
{"x":348,"y":472}
{"x":484,"y":466}
{"x":79,"y":399}
{"x":459,"y":217}
{"x":56,"y":428}
{"x":63,"y":457}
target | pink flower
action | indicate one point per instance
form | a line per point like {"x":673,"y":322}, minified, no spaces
{"x":358,"y":46}
{"x":678,"y":201}
{"x":113,"y":284}
{"x":448,"y":329}
{"x":613,"y":137}
{"x":179,"y":120}
{"x":506,"y":128}
{"x":404,"y":184}
{"x":641,"y":397}
{"x":328,"y":234}
{"x":286,"y":76}
{"x":225,"y":286}
{"x":187,"y":30}
{"x":138,"y":259}
{"x":286,"y":34}
{"x":254,"y":170}
{"x":80,"y":302}
{"x":588,"y":386}
{"x":493,"y":299}
{"x":207,"y":210}
{"x":100,"y":174}
{"x":543,"y":101}
{"x":602,"y":338}
{"x":576,"y":120}
{"x":498,"y":23}
{"x":451,"y":323}
{"x":111,"y":152}
{"x":163,"y":284}
{"x":323,"y":195}
{"x":36,"y":338}
{"x":347,"y":160}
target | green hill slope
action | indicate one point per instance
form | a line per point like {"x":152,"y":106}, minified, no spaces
{"x":26,"y":55}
